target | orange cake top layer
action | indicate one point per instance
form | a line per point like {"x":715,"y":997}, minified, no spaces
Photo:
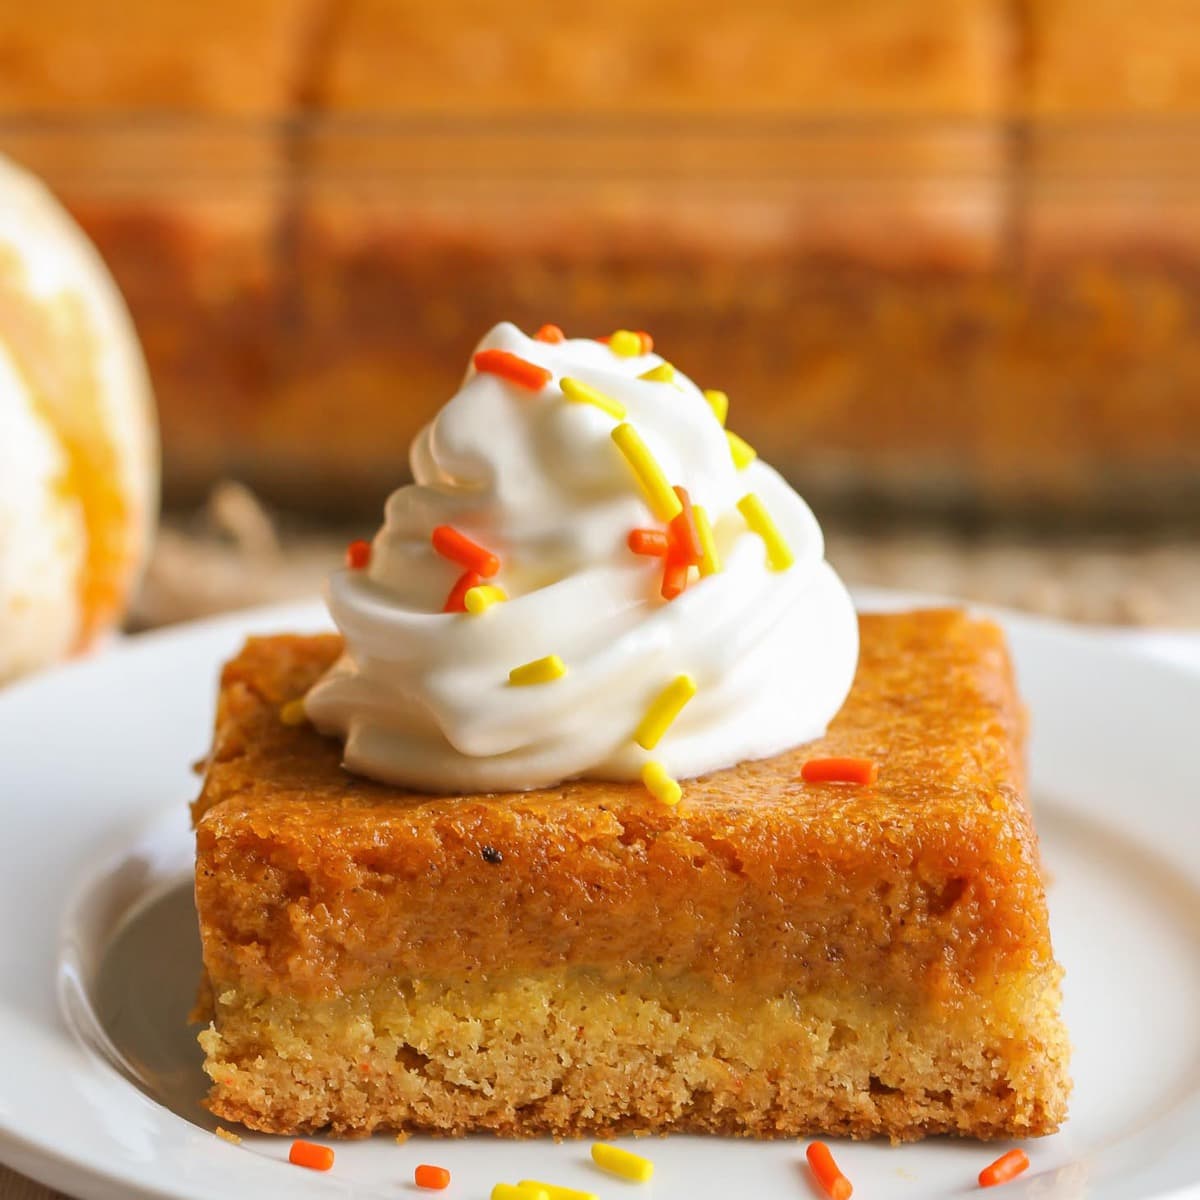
{"x":925,"y":884}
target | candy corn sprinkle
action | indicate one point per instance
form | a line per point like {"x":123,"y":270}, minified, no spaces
{"x":839,"y":770}
{"x":584,"y":393}
{"x":456,"y":602}
{"x":718,"y":402}
{"x":742,"y":452}
{"x":625,"y":343}
{"x":663,"y":373}
{"x":481,"y":597}
{"x":663,"y":501}
{"x":827,"y":1173}
{"x":660,"y":785}
{"x":541,"y":670}
{"x":1006,"y":1167}
{"x":431,"y":1177}
{"x":685,"y":537}
{"x":674,"y":579}
{"x":555,"y":1192}
{"x":451,"y":543}
{"x":310,"y":1155}
{"x":663,"y":710}
{"x":710,"y":561}
{"x":779,"y":554}
{"x":358,"y":555}
{"x":650,"y":542}
{"x":629,"y":344}
{"x":513,"y":368}
{"x":519,"y":1191}
{"x":620,"y":1162}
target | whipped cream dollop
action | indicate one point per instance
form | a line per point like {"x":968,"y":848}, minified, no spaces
{"x":422,"y":698}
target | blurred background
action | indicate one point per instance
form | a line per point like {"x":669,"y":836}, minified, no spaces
{"x":944,"y":257}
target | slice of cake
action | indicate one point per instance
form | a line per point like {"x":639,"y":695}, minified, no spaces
{"x":768,"y":958}
{"x":531,"y":847}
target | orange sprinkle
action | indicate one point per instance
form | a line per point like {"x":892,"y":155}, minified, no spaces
{"x":453,"y":544}
{"x":358,"y":555}
{"x":1007,"y":1166}
{"x":513,"y":368}
{"x":685,"y":537}
{"x":839,"y":770}
{"x":456,"y":602}
{"x":434,"y":1178}
{"x":649,"y":541}
{"x":645,"y":341}
{"x":827,"y":1172}
{"x":310,"y":1155}
{"x":549,"y":333}
{"x":675,"y":577}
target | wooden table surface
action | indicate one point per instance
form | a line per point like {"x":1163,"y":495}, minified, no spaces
{"x":17,"y":1187}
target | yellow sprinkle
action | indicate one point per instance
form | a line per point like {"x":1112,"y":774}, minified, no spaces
{"x":481,"y":597}
{"x":622,"y":1162}
{"x":743,"y":453}
{"x":663,"y":373}
{"x":662,"y":786}
{"x":664,"y":708}
{"x":718,"y":402}
{"x":554,"y":1192}
{"x":663,"y":501}
{"x":292,"y":713}
{"x":541,"y":670}
{"x":625,"y":343}
{"x":584,"y":393}
{"x":779,"y":554}
{"x":519,"y":1191}
{"x":710,"y":564}
{"x":227,"y":1136}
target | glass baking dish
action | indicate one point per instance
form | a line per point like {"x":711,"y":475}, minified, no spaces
{"x":907,"y":312}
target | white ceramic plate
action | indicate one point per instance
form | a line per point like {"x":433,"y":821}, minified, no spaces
{"x":98,"y":1076}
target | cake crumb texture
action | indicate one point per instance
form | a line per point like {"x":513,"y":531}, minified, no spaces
{"x":771,"y":958}
{"x":568,"y":1053}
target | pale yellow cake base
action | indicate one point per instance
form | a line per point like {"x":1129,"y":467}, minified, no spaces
{"x":567,"y":1052}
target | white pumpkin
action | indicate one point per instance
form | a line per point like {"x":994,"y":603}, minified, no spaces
{"x":78,"y":443}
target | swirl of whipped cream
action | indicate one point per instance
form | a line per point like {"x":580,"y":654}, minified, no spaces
{"x":422,"y":698}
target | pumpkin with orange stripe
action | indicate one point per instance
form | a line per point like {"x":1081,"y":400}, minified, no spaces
{"x":78,"y":445}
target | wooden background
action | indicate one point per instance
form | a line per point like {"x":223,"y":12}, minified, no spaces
{"x":17,"y":1187}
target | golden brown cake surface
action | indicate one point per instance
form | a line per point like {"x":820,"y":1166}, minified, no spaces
{"x":861,"y":960}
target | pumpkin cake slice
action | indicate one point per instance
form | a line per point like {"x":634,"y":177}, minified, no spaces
{"x":769,"y":958}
